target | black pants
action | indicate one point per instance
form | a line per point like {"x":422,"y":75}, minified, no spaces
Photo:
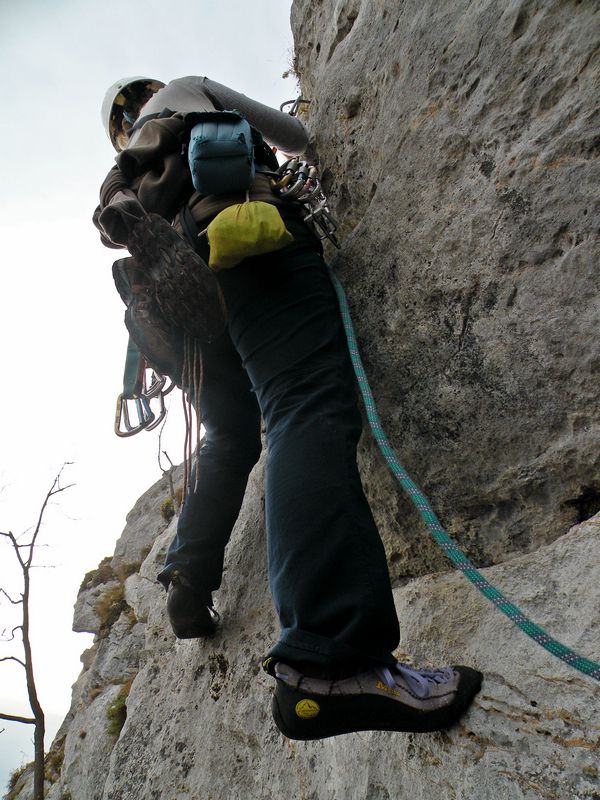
{"x":285,"y":355}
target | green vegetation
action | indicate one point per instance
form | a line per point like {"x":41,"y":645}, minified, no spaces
{"x":103,"y":574}
{"x":123,"y":571}
{"x":111,"y":603}
{"x":116,"y":713}
{"x":167,"y":509}
{"x":54,"y":760}
{"x":171,"y":504}
{"x":110,"y":606}
{"x":14,"y":779}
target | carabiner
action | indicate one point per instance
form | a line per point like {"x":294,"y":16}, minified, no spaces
{"x":169,"y":388}
{"x":144,"y":415}
{"x":157,"y":382}
{"x":162,"y":412}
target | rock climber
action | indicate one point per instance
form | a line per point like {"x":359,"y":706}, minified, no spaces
{"x":282,"y":357}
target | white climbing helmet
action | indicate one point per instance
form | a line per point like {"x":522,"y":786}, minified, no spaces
{"x":122,"y":104}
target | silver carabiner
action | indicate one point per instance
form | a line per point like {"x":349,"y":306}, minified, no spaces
{"x":157,"y":382}
{"x":145,"y":416}
{"x":162,"y":412}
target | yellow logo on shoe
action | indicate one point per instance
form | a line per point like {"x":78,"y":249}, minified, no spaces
{"x":307,"y":709}
{"x":384,"y":688}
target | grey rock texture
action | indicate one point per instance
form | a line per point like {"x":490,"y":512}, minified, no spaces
{"x":85,"y":615}
{"x":198,"y":723}
{"x":459,"y":142}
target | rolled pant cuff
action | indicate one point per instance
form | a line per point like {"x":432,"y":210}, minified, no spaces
{"x":306,"y":648}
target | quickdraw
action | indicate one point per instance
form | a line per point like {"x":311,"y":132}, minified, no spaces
{"x":142,"y":386}
{"x":299,"y":180}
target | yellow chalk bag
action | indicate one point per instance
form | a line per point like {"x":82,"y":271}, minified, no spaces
{"x":243,"y":230}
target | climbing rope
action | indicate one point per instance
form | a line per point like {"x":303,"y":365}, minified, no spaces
{"x":191,"y":381}
{"x":446,"y":542}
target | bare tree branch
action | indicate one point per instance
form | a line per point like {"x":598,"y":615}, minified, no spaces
{"x":56,"y":488}
{"x":13,"y":658}
{"x":12,"y":718}
{"x":10,"y":638}
{"x":16,"y":547}
{"x":14,"y":602}
{"x":26,"y":563}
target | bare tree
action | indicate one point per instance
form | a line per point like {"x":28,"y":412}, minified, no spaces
{"x":24,"y":553}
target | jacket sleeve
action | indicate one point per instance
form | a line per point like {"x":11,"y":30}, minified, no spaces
{"x":119,"y":208}
{"x":157,"y":167}
{"x":150,"y":177}
{"x":283,"y":131}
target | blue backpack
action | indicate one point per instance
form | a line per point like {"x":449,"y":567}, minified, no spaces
{"x":221,"y":153}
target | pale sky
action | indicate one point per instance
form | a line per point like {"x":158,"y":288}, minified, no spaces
{"x":61,"y":320}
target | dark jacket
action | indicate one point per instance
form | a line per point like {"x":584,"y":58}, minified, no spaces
{"x":152,"y":174}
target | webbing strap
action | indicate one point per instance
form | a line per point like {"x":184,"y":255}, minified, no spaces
{"x":133,"y":372}
{"x":446,"y":542}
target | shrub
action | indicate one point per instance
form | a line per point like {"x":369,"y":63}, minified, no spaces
{"x":54,"y":760}
{"x":167,"y":509}
{"x":103,"y":574}
{"x":110,"y":606}
{"x":170,"y":504}
{"x":123,"y":571}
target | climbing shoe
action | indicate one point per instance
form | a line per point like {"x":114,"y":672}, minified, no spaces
{"x":398,"y":698}
{"x":160,"y":343}
{"x":185,"y":288}
{"x":191,"y":613}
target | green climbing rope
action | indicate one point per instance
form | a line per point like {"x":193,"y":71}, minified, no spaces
{"x":448,"y":545}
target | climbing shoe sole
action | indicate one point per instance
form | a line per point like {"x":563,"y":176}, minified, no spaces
{"x":186,"y":289}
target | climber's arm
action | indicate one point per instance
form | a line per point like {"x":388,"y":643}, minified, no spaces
{"x":283,"y":131}
{"x":118,"y":209}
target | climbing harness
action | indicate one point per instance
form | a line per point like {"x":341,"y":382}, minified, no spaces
{"x":446,"y":542}
{"x":299,"y":180}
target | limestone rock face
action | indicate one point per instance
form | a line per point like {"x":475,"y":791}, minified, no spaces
{"x":459,"y":144}
{"x":198,"y":719}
